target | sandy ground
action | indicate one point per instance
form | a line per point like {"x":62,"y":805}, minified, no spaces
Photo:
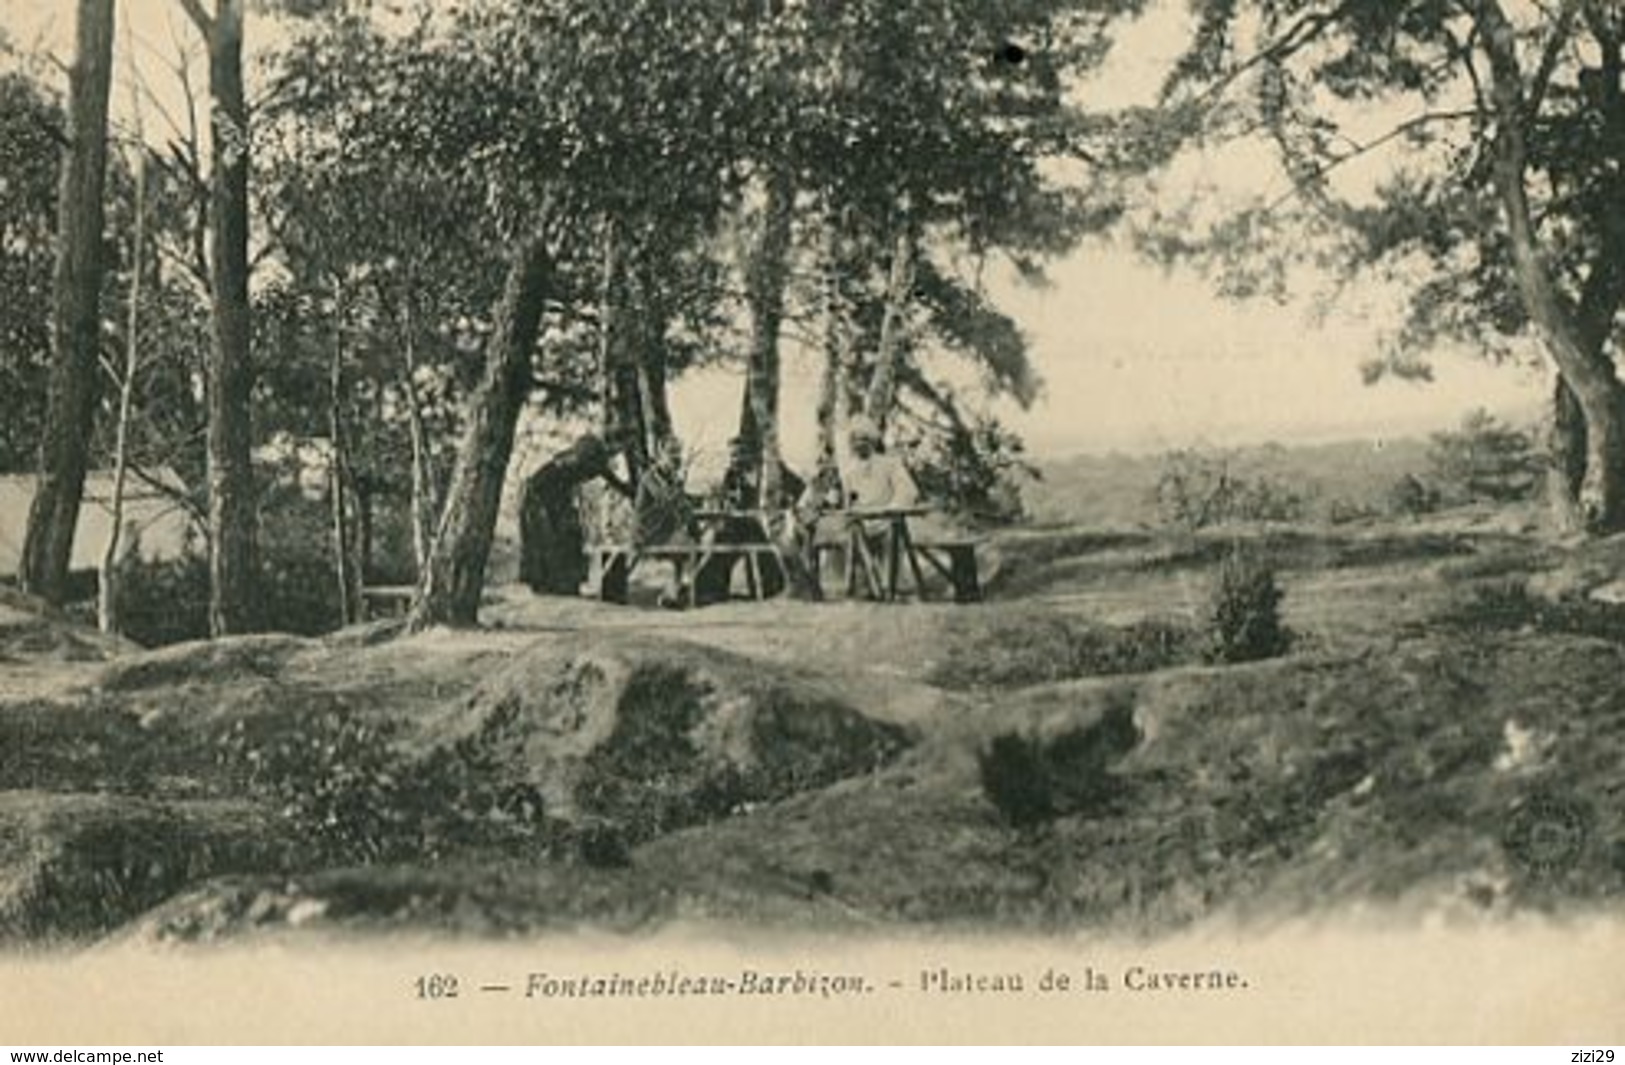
{"x":1394,"y":755}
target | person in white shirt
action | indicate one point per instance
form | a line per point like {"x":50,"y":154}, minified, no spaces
{"x":872,"y":478}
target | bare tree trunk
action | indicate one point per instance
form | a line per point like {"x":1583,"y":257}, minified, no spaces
{"x":1566,"y":466}
{"x":230,"y":379}
{"x":449,"y":590}
{"x":339,"y":477}
{"x":882,"y":396}
{"x":76,"y":320}
{"x":836,"y":349}
{"x":608,"y":332}
{"x":652,"y":316}
{"x":1597,"y":391}
{"x":424,"y":494}
{"x":621,"y":420}
{"x":765,"y":282}
{"x":109,"y":585}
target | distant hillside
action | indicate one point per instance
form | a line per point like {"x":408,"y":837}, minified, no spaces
{"x":1116,"y":489}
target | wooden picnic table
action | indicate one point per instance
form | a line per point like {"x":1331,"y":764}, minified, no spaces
{"x":880,"y":543}
{"x":689,"y":554}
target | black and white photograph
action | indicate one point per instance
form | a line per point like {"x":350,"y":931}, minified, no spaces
{"x":812,"y":520}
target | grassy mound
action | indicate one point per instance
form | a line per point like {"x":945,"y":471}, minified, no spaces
{"x":211,"y":662}
{"x":75,"y":866}
{"x":647,"y":735}
{"x":1448,"y":773}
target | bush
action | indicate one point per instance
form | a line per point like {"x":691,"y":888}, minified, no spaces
{"x":1197,"y":489}
{"x":343,"y":783}
{"x":1411,"y":497}
{"x":975,"y":470}
{"x":164,"y":602}
{"x":1486,"y":460}
{"x":1015,"y":780}
{"x":298,"y":589}
{"x":1244,"y":615}
{"x":1031,"y":780}
{"x":1347,"y":512}
{"x":1506,"y":604}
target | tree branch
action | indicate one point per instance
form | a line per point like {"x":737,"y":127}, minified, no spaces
{"x":1561,"y":34}
{"x":200,"y":17}
{"x":1300,"y":34}
{"x":1319,"y":172}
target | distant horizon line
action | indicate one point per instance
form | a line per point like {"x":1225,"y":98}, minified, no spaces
{"x":1243,"y":438}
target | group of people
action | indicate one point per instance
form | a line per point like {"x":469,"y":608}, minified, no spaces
{"x":866,"y":476}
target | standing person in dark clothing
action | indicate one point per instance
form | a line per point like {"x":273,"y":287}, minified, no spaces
{"x":553,"y":542}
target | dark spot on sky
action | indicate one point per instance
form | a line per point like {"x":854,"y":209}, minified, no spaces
{"x":1011,"y":54}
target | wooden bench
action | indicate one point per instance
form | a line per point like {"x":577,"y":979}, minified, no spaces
{"x":616,"y":563}
{"x":386,"y":600}
{"x":956,"y":561}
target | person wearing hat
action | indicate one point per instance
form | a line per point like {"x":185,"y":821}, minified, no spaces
{"x":871,"y":476}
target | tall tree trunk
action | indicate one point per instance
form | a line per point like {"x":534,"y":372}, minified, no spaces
{"x":609,"y":407}
{"x":882,"y":394}
{"x":230,"y":377}
{"x":836,"y":348}
{"x":449,"y":590}
{"x":424,"y":494}
{"x":109,"y":587}
{"x":76,"y":318}
{"x":621,"y":421}
{"x":767,"y":276}
{"x":340,"y":480}
{"x":1597,"y":391}
{"x":654,"y":403}
{"x":1566,"y":464}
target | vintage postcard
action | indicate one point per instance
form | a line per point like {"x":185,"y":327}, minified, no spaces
{"x":804,"y":521}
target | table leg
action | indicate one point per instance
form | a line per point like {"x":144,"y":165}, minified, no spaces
{"x":866,"y":560}
{"x":896,"y":530}
{"x":912,"y":554}
{"x":852,"y":561}
{"x":753,"y":574}
{"x":614,"y":576}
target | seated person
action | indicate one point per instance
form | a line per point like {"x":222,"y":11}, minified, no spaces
{"x":662,"y":512}
{"x":872,"y":477}
{"x":739,"y":493}
{"x":868,"y":478}
{"x":796,"y":532}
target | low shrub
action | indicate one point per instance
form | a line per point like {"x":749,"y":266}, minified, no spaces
{"x":1513,"y":561}
{"x":1196,"y":489}
{"x":343,"y":783}
{"x":165,"y":602}
{"x":1349,"y":511}
{"x":1505,"y":604}
{"x":1244,"y":613}
{"x":1014,"y":780}
{"x":1486,"y":459}
{"x":1031,"y":780}
{"x":1020,"y":648}
{"x":1411,"y":497}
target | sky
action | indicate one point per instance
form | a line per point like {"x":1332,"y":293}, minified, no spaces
{"x":1133,"y":357}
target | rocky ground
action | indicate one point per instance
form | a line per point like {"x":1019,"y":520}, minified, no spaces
{"x":1444,"y":736}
